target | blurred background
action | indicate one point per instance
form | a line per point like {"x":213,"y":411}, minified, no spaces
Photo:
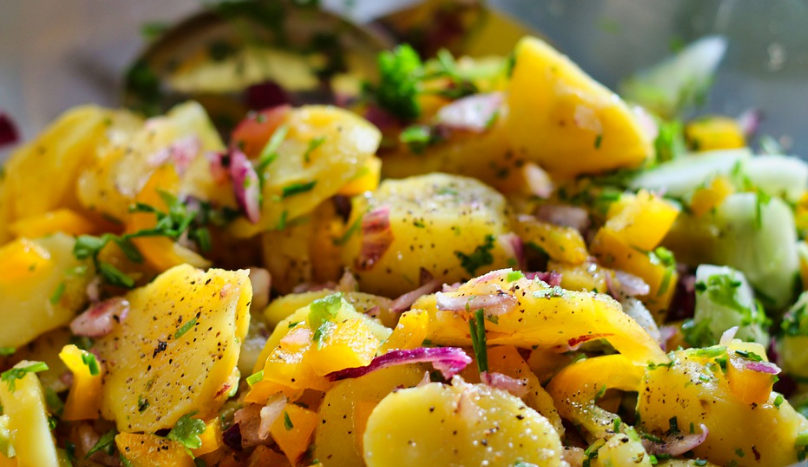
{"x":55,"y":54}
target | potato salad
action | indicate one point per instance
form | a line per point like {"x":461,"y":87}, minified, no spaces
{"x":472,"y":262}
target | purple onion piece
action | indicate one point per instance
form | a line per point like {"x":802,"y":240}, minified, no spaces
{"x":405,"y":301}
{"x":763,"y":367}
{"x":232,"y":437}
{"x":551,"y":278}
{"x":8,"y":130}
{"x":377,"y":236}
{"x":245,"y":185}
{"x":265,"y":95}
{"x":494,"y":304}
{"x":473,"y":113}
{"x":676,"y":445}
{"x":448,"y":360}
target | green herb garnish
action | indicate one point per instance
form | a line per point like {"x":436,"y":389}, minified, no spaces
{"x":11,"y":376}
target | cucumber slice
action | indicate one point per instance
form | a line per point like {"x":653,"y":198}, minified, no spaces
{"x":760,"y":239}
{"x":782,"y":176}
{"x":680,"y":177}
{"x":725,"y":299}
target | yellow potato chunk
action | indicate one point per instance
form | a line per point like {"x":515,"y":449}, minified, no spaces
{"x":147,"y":450}
{"x":24,"y":404}
{"x":42,"y":286}
{"x":109,"y":182}
{"x":346,"y":408}
{"x":41,"y":175}
{"x":566,"y":121}
{"x":713,"y":132}
{"x":453,"y":227}
{"x":541,"y":316}
{"x":461,"y":424}
{"x":176,"y":350}
{"x":695,"y":390}
{"x":563,"y":244}
{"x":325,"y":148}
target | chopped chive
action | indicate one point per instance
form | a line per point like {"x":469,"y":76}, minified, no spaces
{"x":255,"y":377}
{"x":287,"y":422}
{"x":297,"y":188}
{"x":57,"y":294}
{"x":185,"y":328}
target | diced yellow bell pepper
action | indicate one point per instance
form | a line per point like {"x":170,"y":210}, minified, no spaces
{"x":661,"y":277}
{"x":28,"y":420}
{"x":580,"y":277}
{"x":566,"y":121}
{"x":542,"y":317}
{"x":575,"y":388}
{"x":22,"y":259}
{"x":263,"y":390}
{"x":84,"y":399}
{"x":714,"y":132}
{"x":289,"y":364}
{"x":563,"y":244}
{"x":366,"y":180}
{"x":160,"y":252}
{"x":293,"y":430}
{"x":349,"y":344}
{"x":211,"y":438}
{"x":709,"y":197}
{"x":409,"y":333}
{"x":147,"y":450}
{"x":505,"y":359}
{"x":751,"y":387}
{"x":641,"y":221}
{"x":61,"y":220}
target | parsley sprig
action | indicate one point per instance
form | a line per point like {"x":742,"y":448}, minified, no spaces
{"x":478,"y":342}
{"x":11,"y":376}
{"x":321,"y":315}
{"x":402,"y":75}
{"x":186,"y":432}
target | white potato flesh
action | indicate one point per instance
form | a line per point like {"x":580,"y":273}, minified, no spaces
{"x":458,"y":425}
{"x":176,"y":350}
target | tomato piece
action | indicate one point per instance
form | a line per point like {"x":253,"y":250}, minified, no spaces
{"x":253,"y":133}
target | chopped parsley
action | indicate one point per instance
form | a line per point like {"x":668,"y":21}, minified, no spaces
{"x":11,"y":376}
{"x":321,"y":314}
{"x":481,"y":256}
{"x":57,"y":293}
{"x":187,"y":430}
{"x":419,"y":137}
{"x":90,"y":361}
{"x":314,"y":143}
{"x":778,"y":401}
{"x":673,"y":423}
{"x":270,"y":151}
{"x":478,"y":342}
{"x":6,"y":351}
{"x":515,"y":276}
{"x":554,"y":291}
{"x":185,"y":328}
{"x":142,"y":404}
{"x":105,"y":443}
{"x":722,"y":290}
{"x":749,"y":355}
{"x":297,"y":188}
{"x":255,"y":377}
{"x":698,"y":334}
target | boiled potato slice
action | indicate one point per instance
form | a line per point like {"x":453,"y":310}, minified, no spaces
{"x":453,"y":227}
{"x":325,"y":148}
{"x":695,"y":390}
{"x":176,"y":350}
{"x":42,"y":286}
{"x":41,"y":175}
{"x":121,"y":167}
{"x":541,"y":316}
{"x":461,"y":424}
{"x":147,"y":450}
{"x":566,"y":121}
{"x":346,"y":408}
{"x":28,"y":421}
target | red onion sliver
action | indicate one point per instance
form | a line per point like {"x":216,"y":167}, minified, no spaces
{"x":472,"y":113}
{"x":405,"y":301}
{"x":564,"y":215}
{"x":517,"y":387}
{"x":676,"y":445}
{"x":448,"y":360}
{"x":377,"y":236}
{"x":551,"y":278}
{"x":514,"y":245}
{"x":100,"y":318}
{"x":763,"y":367}
{"x":265,"y":95}
{"x":575,"y":342}
{"x":497,"y":304}
{"x":728,"y":335}
{"x":245,"y":185}
{"x":626,"y":285}
{"x":380,"y":118}
{"x":8,"y":130}
{"x":749,"y":121}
